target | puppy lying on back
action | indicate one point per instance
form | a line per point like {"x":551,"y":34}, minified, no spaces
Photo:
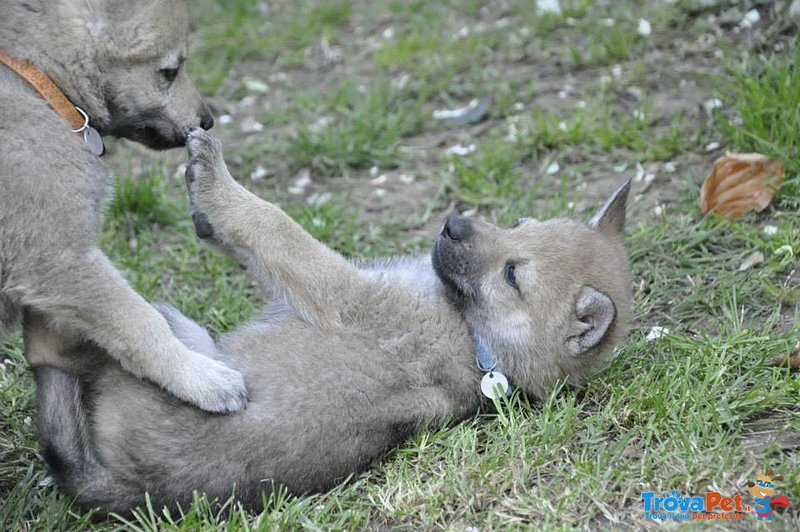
{"x":347,"y":361}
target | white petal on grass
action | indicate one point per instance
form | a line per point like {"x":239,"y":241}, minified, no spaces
{"x":259,"y":173}
{"x":552,"y":168}
{"x":549,"y":6}
{"x":711,"y":146}
{"x":770,"y":230}
{"x":750,"y":19}
{"x":224,"y":120}
{"x":251,"y":125}
{"x":644,"y":29}
{"x":711,"y":104}
{"x":656,"y":332}
{"x":441,"y":114}
{"x":256,"y":85}
{"x":786,"y":249}
{"x":460,"y":150}
{"x":753,"y":259}
{"x":669,"y":167}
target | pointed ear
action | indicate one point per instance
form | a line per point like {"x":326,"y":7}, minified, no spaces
{"x":610,"y":219}
{"x":751,"y":484}
{"x":591,"y":321}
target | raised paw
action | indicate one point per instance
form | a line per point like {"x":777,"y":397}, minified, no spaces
{"x":210,"y":385}
{"x":211,"y":188}
{"x":206,"y":169}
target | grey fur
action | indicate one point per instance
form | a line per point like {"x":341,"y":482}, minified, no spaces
{"x":108,"y":57}
{"x":349,"y":360}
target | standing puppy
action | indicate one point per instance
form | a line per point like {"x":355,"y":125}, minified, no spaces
{"x":121,"y":63}
{"x":348,"y":360}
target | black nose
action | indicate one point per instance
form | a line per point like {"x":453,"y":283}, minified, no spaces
{"x":456,"y":227}
{"x":207,"y":120}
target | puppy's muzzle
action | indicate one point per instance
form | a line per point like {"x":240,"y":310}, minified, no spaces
{"x":457,"y":228}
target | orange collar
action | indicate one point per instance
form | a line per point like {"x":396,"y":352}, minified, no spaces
{"x":77,"y":119}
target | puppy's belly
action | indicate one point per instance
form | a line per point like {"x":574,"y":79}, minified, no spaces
{"x":319,"y":410}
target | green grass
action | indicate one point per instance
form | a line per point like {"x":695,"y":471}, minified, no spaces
{"x":696,"y":409}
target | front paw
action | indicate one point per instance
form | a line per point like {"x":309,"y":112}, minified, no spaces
{"x":206,"y":165}
{"x":207,"y":180}
{"x":210,"y":385}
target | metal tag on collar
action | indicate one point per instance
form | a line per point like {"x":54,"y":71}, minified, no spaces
{"x":90,"y":135}
{"x":494,"y":385}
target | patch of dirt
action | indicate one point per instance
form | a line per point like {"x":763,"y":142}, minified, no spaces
{"x":675,"y":76}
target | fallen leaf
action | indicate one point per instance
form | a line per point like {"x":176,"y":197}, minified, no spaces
{"x":790,"y":360}
{"x":741,"y":182}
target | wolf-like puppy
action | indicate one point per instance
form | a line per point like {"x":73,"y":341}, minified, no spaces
{"x":348,"y":360}
{"x":122,"y":63}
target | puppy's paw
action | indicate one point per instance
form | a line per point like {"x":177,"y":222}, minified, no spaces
{"x":202,"y":227}
{"x":210,"y":385}
{"x":206,"y":173}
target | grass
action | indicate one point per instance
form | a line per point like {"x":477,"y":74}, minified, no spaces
{"x":697,"y":409}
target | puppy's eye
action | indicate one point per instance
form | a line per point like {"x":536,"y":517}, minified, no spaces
{"x":510,"y":273}
{"x":169,"y":74}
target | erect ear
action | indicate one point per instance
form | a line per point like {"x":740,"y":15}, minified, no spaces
{"x":751,"y":484}
{"x":591,"y":320}
{"x":610,"y":219}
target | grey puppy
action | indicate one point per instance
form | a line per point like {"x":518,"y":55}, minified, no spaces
{"x":121,"y":62}
{"x":347,"y":361}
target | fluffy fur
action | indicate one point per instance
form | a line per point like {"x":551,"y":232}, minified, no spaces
{"x":119,"y":61}
{"x":348,"y":360}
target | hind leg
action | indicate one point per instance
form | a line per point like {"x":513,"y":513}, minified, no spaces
{"x":188,"y":332}
{"x":67,"y":445}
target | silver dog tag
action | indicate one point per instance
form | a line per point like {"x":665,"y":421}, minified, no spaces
{"x":94,"y":140}
{"x":494,"y":383}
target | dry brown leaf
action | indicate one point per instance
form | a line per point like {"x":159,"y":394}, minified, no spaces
{"x":792,"y":360}
{"x":741,"y":182}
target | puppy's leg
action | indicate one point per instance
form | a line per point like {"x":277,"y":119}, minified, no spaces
{"x":273,"y":247}
{"x":65,"y":442}
{"x":87,"y":295}
{"x":188,"y":332}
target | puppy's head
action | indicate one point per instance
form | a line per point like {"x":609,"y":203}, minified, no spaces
{"x":132,"y":55}
{"x":551,"y":299}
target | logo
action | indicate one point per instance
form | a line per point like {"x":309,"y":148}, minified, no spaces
{"x":677,"y":507}
{"x":762,"y":490}
{"x":714,"y":505}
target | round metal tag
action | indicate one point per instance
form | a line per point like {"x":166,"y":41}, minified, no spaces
{"x":494,"y":385}
{"x":94,"y":140}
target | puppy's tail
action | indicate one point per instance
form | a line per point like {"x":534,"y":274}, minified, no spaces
{"x":65,"y":441}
